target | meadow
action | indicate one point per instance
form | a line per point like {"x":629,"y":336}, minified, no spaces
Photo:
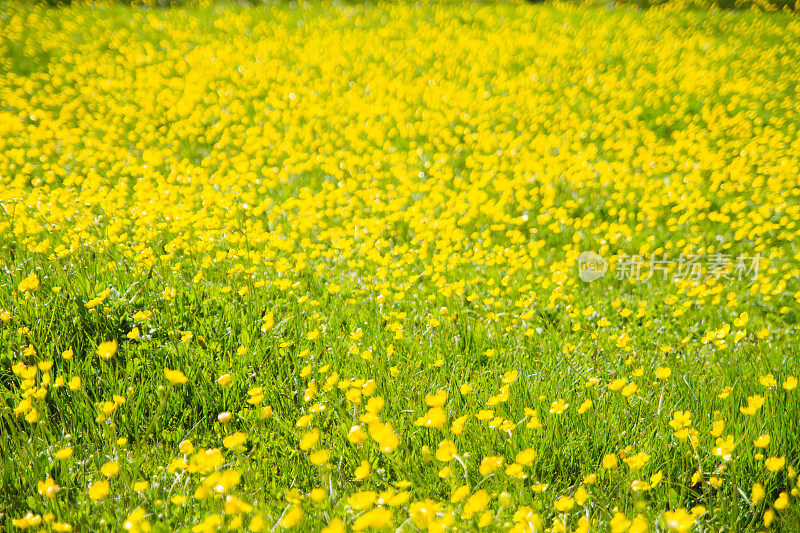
{"x":315,"y":267}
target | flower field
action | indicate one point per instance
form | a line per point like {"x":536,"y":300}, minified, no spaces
{"x":323,"y":267}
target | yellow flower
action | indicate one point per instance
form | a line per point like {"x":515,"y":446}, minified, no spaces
{"x":47,"y":488}
{"x":319,"y":457}
{"x":27,"y":521}
{"x":335,"y":526}
{"x":558,"y":407}
{"x":525,"y":457}
{"x":581,"y":496}
{"x":186,"y":447}
{"x":63,"y":453}
{"x":355,"y":435}
{"x":235,"y":441}
{"x":475,"y":504}
{"x":680,"y":420}
{"x":564,"y":504}
{"x":774,"y":464}
{"x":490,"y":464}
{"x":446,"y":450}
{"x":724,"y":448}
{"x":110,"y":469}
{"x":375,"y":519}
{"x":75,"y":383}
{"x":459,"y":494}
{"x":757,"y":493}
{"x":436,"y":400}
{"x":291,"y":517}
{"x":768,"y":381}
{"x":31,"y":283}
{"x":617,"y":384}
{"x":680,"y":520}
{"x":636,"y":462}
{"x":585,"y":406}
{"x":106,"y":350}
{"x":754,"y":403}
{"x":175,"y":377}
{"x":99,"y":490}
{"x":362,"y":471}
{"x":434,"y":418}
{"x":362,"y":500}
{"x":484,"y":414}
{"x":782,"y":502}
{"x":136,"y":521}
{"x":656,"y":478}
{"x":610,"y":461}
{"x":762,"y":441}
{"x":663,"y":372}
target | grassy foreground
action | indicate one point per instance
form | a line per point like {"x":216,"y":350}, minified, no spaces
{"x":316,"y":266}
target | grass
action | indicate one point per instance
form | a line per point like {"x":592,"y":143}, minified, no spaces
{"x":332,"y":216}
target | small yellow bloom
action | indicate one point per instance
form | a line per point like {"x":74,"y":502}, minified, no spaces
{"x":774,"y":464}
{"x":610,"y":461}
{"x":176,"y":377}
{"x":434,"y":418}
{"x":564,"y":504}
{"x":186,"y":447}
{"x":63,"y":453}
{"x":319,"y":457}
{"x":525,"y":457}
{"x":757,"y":493}
{"x":48,"y":488}
{"x":99,"y":490}
{"x":558,"y":407}
{"x":291,"y":517}
{"x":30,"y":283}
{"x":235,"y":441}
{"x":110,"y":469}
{"x":663,"y":372}
{"x":459,"y":494}
{"x":490,"y":464}
{"x":106,"y":350}
{"x":782,"y":502}
{"x":636,"y":462}
{"x":762,"y":441}
{"x":585,"y":406}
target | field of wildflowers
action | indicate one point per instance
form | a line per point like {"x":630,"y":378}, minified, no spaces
{"x":318,"y":267}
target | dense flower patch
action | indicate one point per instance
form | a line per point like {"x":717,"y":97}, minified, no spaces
{"x":316,"y":266}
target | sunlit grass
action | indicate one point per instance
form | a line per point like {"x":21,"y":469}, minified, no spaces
{"x":316,"y":266}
